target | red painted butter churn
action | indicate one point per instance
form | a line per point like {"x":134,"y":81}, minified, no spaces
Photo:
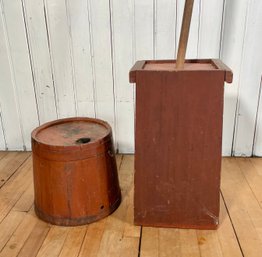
{"x":178,"y":138}
{"x":75,"y":173}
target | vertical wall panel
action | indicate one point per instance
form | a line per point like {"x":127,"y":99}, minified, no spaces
{"x":165,"y":29}
{"x":210,"y":28}
{"x":123,"y":57}
{"x":101,"y":42}
{"x":144,"y":29}
{"x":231,"y":54}
{"x":250,"y":77}
{"x":192,"y":46}
{"x":41,"y":59}
{"x":10,"y":119}
{"x":23,"y":80}
{"x":58,"y":28}
{"x":81,"y":50}
{"x":71,"y":57}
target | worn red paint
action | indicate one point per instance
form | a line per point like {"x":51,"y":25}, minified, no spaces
{"x":75,"y":179}
{"x":178,"y":138}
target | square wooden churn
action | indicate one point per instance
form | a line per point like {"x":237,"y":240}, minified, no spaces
{"x":178,"y":138}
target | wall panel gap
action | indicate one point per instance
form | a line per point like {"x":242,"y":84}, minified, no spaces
{"x":134,"y":53}
{"x":51,"y":59}
{"x":113,"y":72}
{"x":222,"y":29}
{"x":91,"y":49}
{"x":154,"y":20}
{"x":176,"y":32}
{"x":72,"y":58}
{"x":36,"y":93}
{"x":199,"y":28}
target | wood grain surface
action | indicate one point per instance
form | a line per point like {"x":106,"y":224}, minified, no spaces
{"x":178,"y":145}
{"x":22,"y":234}
{"x":75,"y":173}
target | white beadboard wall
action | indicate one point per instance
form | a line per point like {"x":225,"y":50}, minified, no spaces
{"x":64,"y":58}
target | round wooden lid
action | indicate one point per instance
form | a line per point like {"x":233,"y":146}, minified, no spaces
{"x":71,"y":132}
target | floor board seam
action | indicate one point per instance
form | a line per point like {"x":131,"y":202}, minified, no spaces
{"x":140,"y":241}
{"x":231,"y":221}
{"x":82,"y":243}
{"x":121,"y":161}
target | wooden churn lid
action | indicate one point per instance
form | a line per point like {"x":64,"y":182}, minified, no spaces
{"x":66,"y":138}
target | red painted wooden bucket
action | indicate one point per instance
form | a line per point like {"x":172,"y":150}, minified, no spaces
{"x":75,"y":173}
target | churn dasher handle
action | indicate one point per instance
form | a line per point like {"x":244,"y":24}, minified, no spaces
{"x":184,"y":34}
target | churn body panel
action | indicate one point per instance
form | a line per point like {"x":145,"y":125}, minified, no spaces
{"x":178,"y":147}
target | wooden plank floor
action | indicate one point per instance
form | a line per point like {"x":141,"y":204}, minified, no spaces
{"x":23,"y":234}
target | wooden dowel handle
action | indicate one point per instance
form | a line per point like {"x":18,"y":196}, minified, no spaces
{"x":184,"y":33}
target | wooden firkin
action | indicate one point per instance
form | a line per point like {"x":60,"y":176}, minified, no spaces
{"x":178,"y":138}
{"x":75,"y":172}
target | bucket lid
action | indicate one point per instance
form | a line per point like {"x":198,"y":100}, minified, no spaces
{"x":71,"y":139}
{"x":71,"y":132}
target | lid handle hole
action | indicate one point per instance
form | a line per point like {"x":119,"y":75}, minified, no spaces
{"x":83,"y":140}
